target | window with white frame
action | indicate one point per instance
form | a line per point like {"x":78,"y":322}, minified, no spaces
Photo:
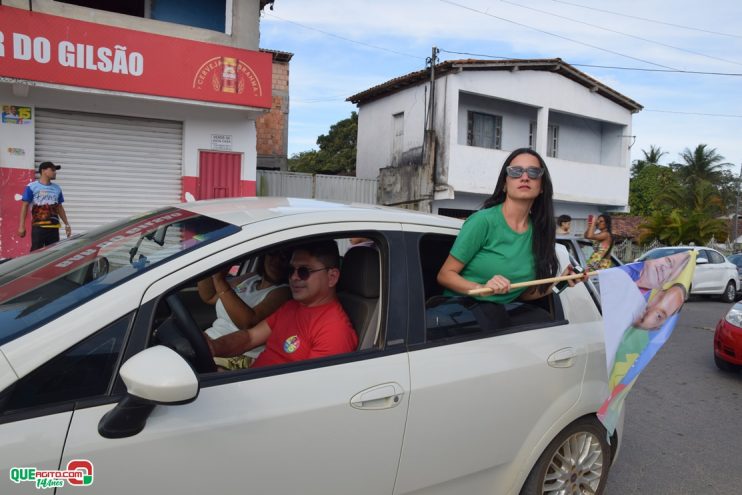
{"x":552,"y":145}
{"x":532,"y":126}
{"x":484,"y":130}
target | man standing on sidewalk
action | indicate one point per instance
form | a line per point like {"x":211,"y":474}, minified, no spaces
{"x":47,"y":208}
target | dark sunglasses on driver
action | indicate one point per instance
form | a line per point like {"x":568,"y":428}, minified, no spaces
{"x":304,"y":272}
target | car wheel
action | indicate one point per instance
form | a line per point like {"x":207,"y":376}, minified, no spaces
{"x":729,"y":293}
{"x":576,"y":461}
{"x":724,"y":365}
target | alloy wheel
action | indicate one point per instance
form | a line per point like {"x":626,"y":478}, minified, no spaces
{"x":576,"y":467}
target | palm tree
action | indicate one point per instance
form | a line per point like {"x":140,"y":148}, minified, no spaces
{"x":650,"y":158}
{"x":702,"y":163}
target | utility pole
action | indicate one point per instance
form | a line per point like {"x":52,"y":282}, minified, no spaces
{"x":428,"y":177}
{"x":431,"y":106}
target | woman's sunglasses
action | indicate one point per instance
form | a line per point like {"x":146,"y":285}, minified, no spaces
{"x":533,"y":172}
{"x":304,"y":272}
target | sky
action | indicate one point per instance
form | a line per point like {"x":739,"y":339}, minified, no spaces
{"x":343,"y":48}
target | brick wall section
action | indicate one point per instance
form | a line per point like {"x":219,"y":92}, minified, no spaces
{"x":272,"y":127}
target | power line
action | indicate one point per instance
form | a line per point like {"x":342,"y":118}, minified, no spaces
{"x":555,"y":35}
{"x":675,"y":71}
{"x":648,"y":20}
{"x":622,"y":33}
{"x":345,"y":39}
{"x":727,"y":115}
{"x":639,"y":69}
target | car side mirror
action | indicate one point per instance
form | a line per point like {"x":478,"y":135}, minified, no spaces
{"x":701,"y":261}
{"x":157,"y":375}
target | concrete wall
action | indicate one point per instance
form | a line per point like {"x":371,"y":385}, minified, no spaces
{"x":273,"y":127}
{"x":375,"y":137}
{"x":245,"y":22}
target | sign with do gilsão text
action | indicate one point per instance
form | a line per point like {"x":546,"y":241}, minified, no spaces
{"x":46,"y":48}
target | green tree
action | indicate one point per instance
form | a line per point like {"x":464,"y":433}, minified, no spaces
{"x":728,"y":185}
{"x":336,"y":154}
{"x":652,"y":157}
{"x":647,"y":187}
{"x":693,"y":217}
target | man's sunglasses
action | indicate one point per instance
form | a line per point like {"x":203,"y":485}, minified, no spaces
{"x":533,"y":172}
{"x":304,"y":272}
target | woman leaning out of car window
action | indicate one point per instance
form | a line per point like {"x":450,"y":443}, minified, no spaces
{"x":511,"y":239}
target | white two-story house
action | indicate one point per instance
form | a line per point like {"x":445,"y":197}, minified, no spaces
{"x":481,"y":111}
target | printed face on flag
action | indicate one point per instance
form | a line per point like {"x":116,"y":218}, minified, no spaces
{"x":641,"y":302}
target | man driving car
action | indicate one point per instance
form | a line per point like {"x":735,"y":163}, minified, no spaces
{"x":313,"y":324}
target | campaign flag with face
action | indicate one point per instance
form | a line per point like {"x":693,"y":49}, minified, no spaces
{"x":641,"y":304}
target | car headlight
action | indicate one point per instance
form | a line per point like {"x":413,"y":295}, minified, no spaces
{"x":734,"y":316}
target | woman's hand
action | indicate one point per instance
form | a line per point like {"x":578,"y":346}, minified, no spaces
{"x":571,"y":271}
{"x":498,"y":284}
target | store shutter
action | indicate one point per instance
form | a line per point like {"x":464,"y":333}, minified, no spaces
{"x":112,"y":167}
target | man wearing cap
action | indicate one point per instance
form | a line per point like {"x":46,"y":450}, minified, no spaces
{"x":47,"y":209}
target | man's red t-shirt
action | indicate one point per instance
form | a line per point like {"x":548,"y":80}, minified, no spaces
{"x":299,"y":332}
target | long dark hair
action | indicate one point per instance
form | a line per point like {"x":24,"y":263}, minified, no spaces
{"x":542,"y":216}
{"x":609,"y":228}
{"x":608,"y":223}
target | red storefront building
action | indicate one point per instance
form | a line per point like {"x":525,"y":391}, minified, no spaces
{"x":141,"y":108}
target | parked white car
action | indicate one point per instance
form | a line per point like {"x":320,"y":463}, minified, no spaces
{"x":714,"y":275}
{"x":104,"y":370}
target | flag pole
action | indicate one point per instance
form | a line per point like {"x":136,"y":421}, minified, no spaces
{"x":530,"y":283}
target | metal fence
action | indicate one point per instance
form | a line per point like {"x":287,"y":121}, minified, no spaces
{"x":318,"y":186}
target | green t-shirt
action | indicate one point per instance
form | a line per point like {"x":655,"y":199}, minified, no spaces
{"x":487,"y":246}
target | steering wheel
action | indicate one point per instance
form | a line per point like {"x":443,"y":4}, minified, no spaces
{"x":203,"y":361}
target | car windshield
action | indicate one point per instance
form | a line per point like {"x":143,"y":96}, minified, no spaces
{"x":659,"y":253}
{"x":736,"y":259}
{"x":44,"y":284}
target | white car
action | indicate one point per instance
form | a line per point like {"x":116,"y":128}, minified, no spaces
{"x":106,"y":380}
{"x":714,"y":275}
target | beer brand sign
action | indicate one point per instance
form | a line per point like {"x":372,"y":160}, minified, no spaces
{"x":51,"y":49}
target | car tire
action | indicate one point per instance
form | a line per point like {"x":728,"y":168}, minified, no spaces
{"x":576,"y":461}
{"x":730,"y":292}
{"x":724,"y":365}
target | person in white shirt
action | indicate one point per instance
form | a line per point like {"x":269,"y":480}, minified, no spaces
{"x":244,"y":301}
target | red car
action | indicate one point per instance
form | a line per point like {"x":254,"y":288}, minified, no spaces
{"x":728,"y":340}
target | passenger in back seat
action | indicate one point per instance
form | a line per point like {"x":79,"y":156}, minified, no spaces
{"x":245,"y":301}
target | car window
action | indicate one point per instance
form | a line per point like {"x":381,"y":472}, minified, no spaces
{"x":714,"y":257}
{"x":359,"y":290}
{"x":86,"y":370}
{"x":587,"y":249}
{"x":36,"y":288}
{"x":659,"y":253}
{"x":570,"y":247}
{"x":449,"y":316}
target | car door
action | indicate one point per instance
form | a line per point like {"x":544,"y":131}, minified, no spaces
{"x":315,"y":427}
{"x":479,"y":397}
{"x":36,"y":410}
{"x":707,"y":274}
{"x":723,"y":272}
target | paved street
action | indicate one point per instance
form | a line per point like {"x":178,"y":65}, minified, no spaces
{"x":684,"y":417}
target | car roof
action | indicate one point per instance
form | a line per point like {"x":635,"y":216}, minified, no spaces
{"x":244,"y":211}
{"x":696,"y":248}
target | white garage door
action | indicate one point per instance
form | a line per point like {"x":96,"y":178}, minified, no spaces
{"x":112,"y":167}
